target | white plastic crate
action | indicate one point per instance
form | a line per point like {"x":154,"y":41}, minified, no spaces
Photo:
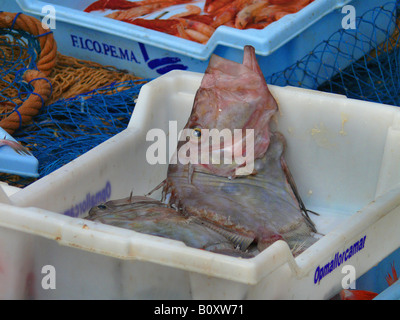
{"x":148,"y":53}
{"x":344,"y":157}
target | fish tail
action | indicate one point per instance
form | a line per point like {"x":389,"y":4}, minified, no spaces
{"x":157,"y":187}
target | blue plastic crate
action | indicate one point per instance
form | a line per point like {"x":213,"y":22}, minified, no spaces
{"x":391,"y":293}
{"x":375,"y":279}
{"x":14,"y":163}
{"x":148,"y":53}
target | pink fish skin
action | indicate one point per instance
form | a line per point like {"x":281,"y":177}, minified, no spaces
{"x":209,"y":206}
{"x":261,"y":207}
{"x":18,"y":148}
{"x":150,"y":216}
{"x":233,"y":96}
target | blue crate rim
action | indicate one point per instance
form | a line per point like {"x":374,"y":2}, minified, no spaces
{"x":265,"y":41}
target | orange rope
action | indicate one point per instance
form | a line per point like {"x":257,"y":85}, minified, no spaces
{"x":47,"y":60}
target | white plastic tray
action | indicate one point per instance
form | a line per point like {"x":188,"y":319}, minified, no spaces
{"x":344,"y":159}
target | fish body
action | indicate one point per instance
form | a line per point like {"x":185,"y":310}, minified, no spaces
{"x":238,"y":206}
{"x":261,"y":206}
{"x":150,"y":216}
{"x":346,"y":294}
{"x":352,"y":294}
{"x":18,"y":148}
{"x":232,"y":96}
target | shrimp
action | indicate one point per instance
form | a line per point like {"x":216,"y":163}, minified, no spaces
{"x":239,"y":14}
{"x":267,"y":13}
{"x":213,"y":6}
{"x":197,"y":36}
{"x":194,"y":30}
{"x":229,"y":11}
{"x":225,"y":14}
{"x":119,"y":4}
{"x":191,"y":10}
{"x":258,"y":25}
{"x":166,"y":25}
{"x":142,"y":8}
{"x":198,"y":27}
{"x":135,"y":12}
{"x":248,"y":13}
{"x":110,"y":4}
{"x":182,"y":32}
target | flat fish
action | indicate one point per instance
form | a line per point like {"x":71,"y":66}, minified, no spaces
{"x":150,"y":216}
{"x":232,"y":207}
{"x":259,"y":207}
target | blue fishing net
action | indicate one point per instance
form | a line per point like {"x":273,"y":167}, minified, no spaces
{"x":18,"y":52}
{"x":66,"y":129}
{"x":361,"y":63}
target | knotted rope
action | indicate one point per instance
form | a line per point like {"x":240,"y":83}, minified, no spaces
{"x":37,"y":78}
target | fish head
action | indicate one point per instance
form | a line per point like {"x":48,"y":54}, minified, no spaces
{"x":120,"y":206}
{"x":235,"y":104}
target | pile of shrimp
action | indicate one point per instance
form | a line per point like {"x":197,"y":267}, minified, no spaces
{"x":196,"y":23}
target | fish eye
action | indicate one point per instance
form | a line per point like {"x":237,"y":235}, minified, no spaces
{"x":101,"y":207}
{"x":196,"y":132}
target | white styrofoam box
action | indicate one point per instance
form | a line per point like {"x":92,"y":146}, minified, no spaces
{"x":148,"y":53}
{"x":343,"y":154}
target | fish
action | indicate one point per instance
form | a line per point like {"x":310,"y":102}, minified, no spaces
{"x":18,"y":148}
{"x":347,"y":294}
{"x":243,"y":198}
{"x":353,"y":294}
{"x":259,"y":203}
{"x":392,"y":278}
{"x":150,"y":216}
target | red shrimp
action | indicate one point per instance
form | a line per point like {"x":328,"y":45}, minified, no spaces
{"x":213,"y":6}
{"x":247,"y":14}
{"x":191,"y":10}
{"x":166,"y":25}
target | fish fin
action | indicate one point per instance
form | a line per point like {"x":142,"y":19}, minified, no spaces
{"x":301,"y":245}
{"x":17,"y":147}
{"x":389,"y":279}
{"x":190,"y":173}
{"x":310,"y":211}
{"x":231,"y":252}
{"x":240,"y":241}
{"x":302,"y":206}
{"x":250,"y":60}
{"x":298,"y":248}
{"x":299,"y":239}
{"x":157,"y":187}
{"x":346,"y":294}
